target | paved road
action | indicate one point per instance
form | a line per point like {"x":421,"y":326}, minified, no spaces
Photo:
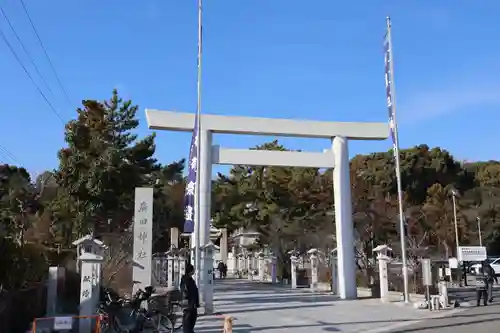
{"x":483,"y":319}
{"x":263,"y":308}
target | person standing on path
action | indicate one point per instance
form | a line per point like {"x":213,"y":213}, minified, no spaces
{"x":224,"y":270}
{"x":490,"y":272}
{"x":482,"y":281}
{"x":191,"y":296}
{"x":220,"y":268}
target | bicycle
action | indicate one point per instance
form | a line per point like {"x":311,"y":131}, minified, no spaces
{"x":158,"y":318}
{"x":168,"y":310}
{"x":111,"y":311}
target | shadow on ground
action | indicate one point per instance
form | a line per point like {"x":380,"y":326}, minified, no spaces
{"x":470,"y":321}
{"x":249,"y":328}
{"x":460,"y":319}
{"x":264,"y":297}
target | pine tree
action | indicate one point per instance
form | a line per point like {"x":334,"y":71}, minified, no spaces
{"x":103,"y":163}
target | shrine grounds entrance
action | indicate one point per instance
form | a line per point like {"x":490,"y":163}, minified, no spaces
{"x":337,"y":158}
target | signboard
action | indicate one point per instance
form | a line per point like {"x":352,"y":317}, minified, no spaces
{"x":63,"y":323}
{"x":471,"y":253}
{"x":143,"y":237}
{"x":426,"y":272}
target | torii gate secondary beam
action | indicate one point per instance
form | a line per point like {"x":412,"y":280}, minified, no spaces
{"x":338,"y":132}
{"x":224,"y":156}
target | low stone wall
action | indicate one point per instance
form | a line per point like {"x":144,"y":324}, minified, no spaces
{"x":366,"y":292}
{"x":393,"y":295}
{"x":19,"y":308}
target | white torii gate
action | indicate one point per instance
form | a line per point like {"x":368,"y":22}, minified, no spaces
{"x":336,"y":158}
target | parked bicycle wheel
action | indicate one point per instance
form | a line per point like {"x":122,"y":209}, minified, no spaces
{"x":176,"y":313}
{"x":164,"y":324}
{"x":169,"y":311}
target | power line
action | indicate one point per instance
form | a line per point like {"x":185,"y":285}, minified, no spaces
{"x":8,"y":154}
{"x":2,"y":35}
{"x":25,"y":50}
{"x":45,"y":51}
{"x":2,"y":158}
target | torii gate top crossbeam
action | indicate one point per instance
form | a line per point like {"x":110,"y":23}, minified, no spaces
{"x":184,"y":122}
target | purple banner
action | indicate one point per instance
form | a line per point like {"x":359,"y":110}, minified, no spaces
{"x":189,"y":195}
{"x":388,"y":86}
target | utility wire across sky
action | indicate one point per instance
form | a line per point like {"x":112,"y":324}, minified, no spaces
{"x":26,"y":50}
{"x":51,"y":106}
{"x":31,"y":59}
{"x":5,"y":154}
{"x":45,"y":52}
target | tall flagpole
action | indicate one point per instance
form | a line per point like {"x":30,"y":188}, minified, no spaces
{"x":391,"y":103}
{"x":198,"y":124}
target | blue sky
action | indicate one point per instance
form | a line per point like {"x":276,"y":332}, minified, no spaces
{"x":269,"y":58}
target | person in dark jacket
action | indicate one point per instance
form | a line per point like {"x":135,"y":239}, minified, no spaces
{"x":220,"y":268}
{"x":224,"y":270}
{"x":191,"y":295}
{"x":482,"y":282}
{"x":490,"y":272}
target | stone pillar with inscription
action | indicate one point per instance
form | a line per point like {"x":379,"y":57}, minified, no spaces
{"x":314,"y":260}
{"x":274,"y":270}
{"x":383,"y":261}
{"x":170,"y":269}
{"x":143,"y":234}
{"x":223,"y":246}
{"x":164,"y":268}
{"x":232,"y":263}
{"x":96,"y":281}
{"x":248,"y":265}
{"x":52,"y":291}
{"x":207,"y":254}
{"x":55,"y":288}
{"x":246,"y":261}
{"x":192,"y":250}
{"x":333,"y":265}
{"x":89,"y":292}
{"x":174,"y":238}
{"x":61,"y":283}
{"x":294,"y":263}
{"x":177,"y":278}
{"x":241,"y":262}
{"x":261,"y":266}
{"x":182,"y":263}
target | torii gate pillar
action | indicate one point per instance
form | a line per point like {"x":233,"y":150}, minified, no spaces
{"x":336,"y":158}
{"x":343,"y":213}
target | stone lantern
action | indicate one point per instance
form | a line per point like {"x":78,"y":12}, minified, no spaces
{"x":88,"y":244}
